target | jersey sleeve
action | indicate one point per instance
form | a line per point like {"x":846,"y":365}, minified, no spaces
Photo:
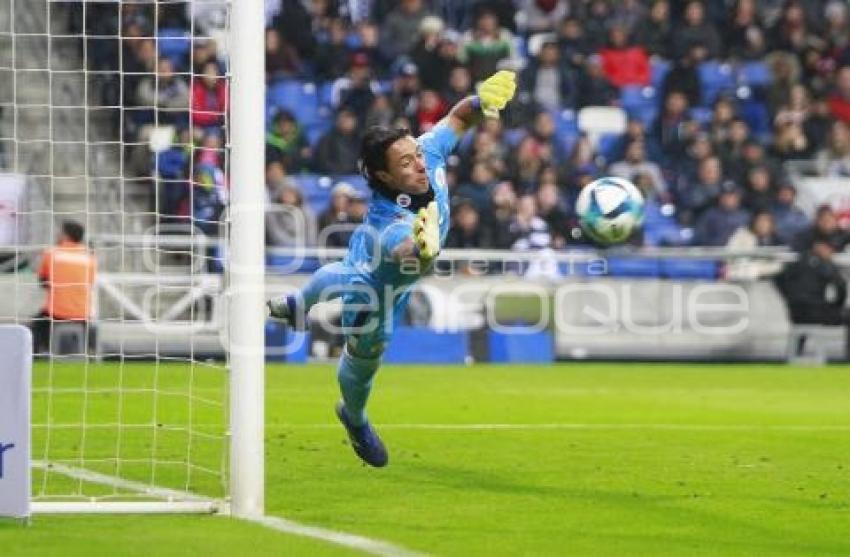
{"x":440,"y":141}
{"x":393,"y":235}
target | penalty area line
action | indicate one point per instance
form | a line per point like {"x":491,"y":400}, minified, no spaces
{"x":279,"y":524}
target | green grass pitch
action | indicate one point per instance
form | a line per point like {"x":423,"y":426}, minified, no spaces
{"x":626,"y":459}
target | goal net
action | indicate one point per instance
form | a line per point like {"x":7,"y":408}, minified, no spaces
{"x":113,"y":118}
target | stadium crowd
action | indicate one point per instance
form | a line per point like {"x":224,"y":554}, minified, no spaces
{"x":719,"y":94}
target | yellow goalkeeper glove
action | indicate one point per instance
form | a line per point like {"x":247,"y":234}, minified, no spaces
{"x":426,"y":231}
{"x":495,"y":92}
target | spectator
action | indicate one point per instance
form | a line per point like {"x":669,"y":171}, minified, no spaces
{"x":290,"y":223}
{"x":825,"y":229}
{"x":541,"y":16}
{"x":696,"y":30}
{"x":594,"y":89}
{"x":209,"y":97}
{"x":721,"y":119}
{"x":834,"y":159}
{"x":466,"y":230}
{"x":572,"y":43}
{"x":744,"y":36}
{"x":332,"y":55}
{"x":431,"y":110}
{"x":525,"y":165}
{"x":552,"y":85}
{"x":285,"y":143}
{"x":760,"y":233}
{"x":790,"y":142}
{"x":497,"y":221}
{"x":485,"y":45}
{"x":357,"y":90}
{"x":551,"y":210}
{"x":791,"y":33}
{"x":684,"y":78}
{"x":479,"y":189}
{"x":790,"y":219}
{"x":655,"y":31}
{"x":400,"y":29}
{"x":338,"y":150}
{"x":166,"y":93}
{"x":529,"y":231}
{"x":435,"y":54}
{"x":672,"y":130}
{"x":814,"y":288}
{"x":731,"y":148}
{"x":717,"y":224}
{"x":209,"y":197}
{"x":405,"y":94}
{"x":281,"y":57}
{"x":380,"y":113}
{"x":785,"y":73}
{"x":68,"y":272}
{"x":335,"y":224}
{"x":635,"y":163}
{"x":624,"y":64}
{"x":459,"y":85}
{"x":759,"y":193}
{"x":596,"y":20}
{"x":543,"y":131}
{"x":696,"y":198}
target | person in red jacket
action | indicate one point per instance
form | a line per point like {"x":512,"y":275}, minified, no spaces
{"x":209,"y":97}
{"x":622,"y":63}
{"x":839,"y":100}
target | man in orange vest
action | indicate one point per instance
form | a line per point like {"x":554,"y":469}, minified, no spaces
{"x":67,"y":271}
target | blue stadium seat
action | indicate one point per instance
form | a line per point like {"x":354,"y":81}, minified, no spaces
{"x":315,"y":189}
{"x":659,"y":229}
{"x":640,"y":103}
{"x":566,"y":126}
{"x":702,"y":115}
{"x":432,"y":347}
{"x":659,"y":69}
{"x":608,"y":145}
{"x":521,"y":346}
{"x":754,"y":74}
{"x":757,"y":116}
{"x":315,"y":130}
{"x":175,"y":44}
{"x":326,"y":93}
{"x":299,"y":97}
{"x":717,"y":78}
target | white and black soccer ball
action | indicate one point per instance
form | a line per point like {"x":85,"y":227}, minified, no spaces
{"x":610,"y":209}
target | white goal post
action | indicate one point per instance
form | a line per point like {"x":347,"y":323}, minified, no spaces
{"x":155,"y":432}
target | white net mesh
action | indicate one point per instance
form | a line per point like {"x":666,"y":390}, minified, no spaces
{"x":113,"y":116}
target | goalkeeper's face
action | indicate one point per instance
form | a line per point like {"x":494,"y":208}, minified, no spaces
{"x":405,"y":167}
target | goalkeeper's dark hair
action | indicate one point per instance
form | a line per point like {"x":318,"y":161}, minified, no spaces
{"x":73,"y":230}
{"x":373,"y":151}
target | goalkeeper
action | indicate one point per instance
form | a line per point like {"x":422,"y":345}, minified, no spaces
{"x":406,"y":225}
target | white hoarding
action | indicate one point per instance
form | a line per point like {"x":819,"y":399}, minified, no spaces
{"x":16,"y":348}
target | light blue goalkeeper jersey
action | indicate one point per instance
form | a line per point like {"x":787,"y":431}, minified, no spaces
{"x":387,"y":225}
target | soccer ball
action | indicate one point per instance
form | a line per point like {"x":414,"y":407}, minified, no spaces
{"x":610,"y":209}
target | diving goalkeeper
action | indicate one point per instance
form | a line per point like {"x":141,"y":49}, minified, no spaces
{"x":406,"y":225}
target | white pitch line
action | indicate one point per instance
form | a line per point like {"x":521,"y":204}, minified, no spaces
{"x":367,"y":545}
{"x":120,"y":483}
{"x":580,"y":426}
